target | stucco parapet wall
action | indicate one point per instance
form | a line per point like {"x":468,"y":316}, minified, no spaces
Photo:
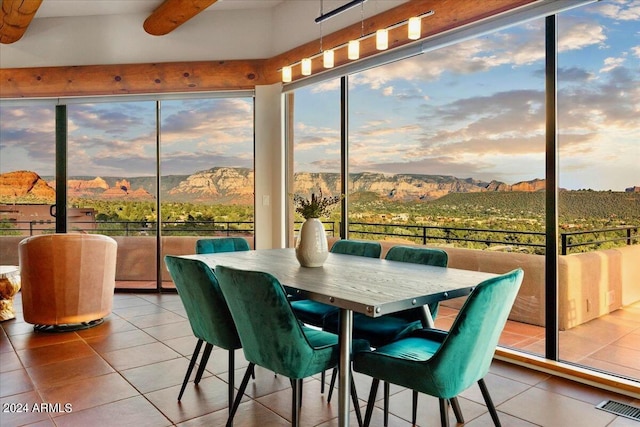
{"x":590,"y":284}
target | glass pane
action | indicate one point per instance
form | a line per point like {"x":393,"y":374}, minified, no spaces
{"x":111,"y":185}
{"x":207,"y":176}
{"x":27,"y":175}
{"x":316,"y":148}
{"x":447,"y":150}
{"x":599,"y":105}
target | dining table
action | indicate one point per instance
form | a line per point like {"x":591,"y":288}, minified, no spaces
{"x":372,"y":286}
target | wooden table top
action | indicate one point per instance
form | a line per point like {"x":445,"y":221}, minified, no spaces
{"x":366,"y":285}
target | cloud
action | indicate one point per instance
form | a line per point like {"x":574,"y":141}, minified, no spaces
{"x":520,"y":47}
{"x":611,"y":63}
{"x":222,"y":121}
{"x":636,"y":51}
{"x":312,"y":137}
{"x":571,"y":74}
{"x":618,"y":10}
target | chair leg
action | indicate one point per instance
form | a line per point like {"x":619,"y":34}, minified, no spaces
{"x":456,"y":410}
{"x":386,"y":387}
{"x":203,"y":362}
{"x":192,"y":363}
{"x":489,"y":402}
{"x":243,"y":386}
{"x":444,"y":412}
{"x":414,"y":412}
{"x":232,"y":363}
{"x":334,"y":376}
{"x":371,"y":402}
{"x":323,"y":378}
{"x":356,"y":404}
{"x":296,"y":401}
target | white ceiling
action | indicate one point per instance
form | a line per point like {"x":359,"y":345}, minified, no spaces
{"x":64,"y":8}
{"x":92,"y":32}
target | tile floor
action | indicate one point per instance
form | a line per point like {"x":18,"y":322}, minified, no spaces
{"x":128,"y":371}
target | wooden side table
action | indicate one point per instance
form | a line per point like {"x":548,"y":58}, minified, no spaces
{"x":9,"y":286}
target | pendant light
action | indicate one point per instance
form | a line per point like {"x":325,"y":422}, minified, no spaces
{"x":382,"y":39}
{"x":305,"y":66}
{"x":328,"y":58}
{"x":414,"y":28}
{"x":286,"y":74}
{"x":353,"y":49}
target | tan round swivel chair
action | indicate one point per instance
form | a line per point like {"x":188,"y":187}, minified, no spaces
{"x":68,"y":280}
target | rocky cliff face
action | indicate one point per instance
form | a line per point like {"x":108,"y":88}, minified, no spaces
{"x":218,"y":185}
{"x":394,"y":187}
{"x":528,"y":186}
{"x":25,"y":185}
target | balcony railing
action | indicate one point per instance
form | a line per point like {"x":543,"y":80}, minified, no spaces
{"x":531,"y":241}
{"x":138,"y":228}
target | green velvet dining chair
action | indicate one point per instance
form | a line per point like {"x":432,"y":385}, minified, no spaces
{"x":272,"y":336}
{"x":212,"y":246}
{"x":383,"y":330}
{"x":208,"y":314}
{"x":444,"y":364}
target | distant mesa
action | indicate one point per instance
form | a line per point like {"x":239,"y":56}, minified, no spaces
{"x":222,"y":185}
{"x":25,"y":186}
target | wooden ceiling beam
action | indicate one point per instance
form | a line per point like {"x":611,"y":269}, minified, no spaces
{"x":173,"y":13}
{"x":15,"y":17}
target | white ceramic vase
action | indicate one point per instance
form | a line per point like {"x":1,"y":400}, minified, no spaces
{"x":311,"y":245}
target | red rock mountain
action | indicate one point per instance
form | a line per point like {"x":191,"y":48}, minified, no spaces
{"x":25,"y":185}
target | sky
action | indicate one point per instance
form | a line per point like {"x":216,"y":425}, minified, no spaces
{"x":477,"y":109}
{"x":473,"y":110}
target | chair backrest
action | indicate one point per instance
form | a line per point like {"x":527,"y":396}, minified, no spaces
{"x":206,"y":308}
{"x":67,"y":278}
{"x":466,"y":353}
{"x":222,"y":244}
{"x":271,"y":335}
{"x":357,"y":247}
{"x":417,"y":255}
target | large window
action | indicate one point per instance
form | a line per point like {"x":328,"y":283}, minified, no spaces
{"x":450,"y":146}
{"x":316,"y":146}
{"x":207,"y":167}
{"x":599,"y":124}
{"x":27,"y":169}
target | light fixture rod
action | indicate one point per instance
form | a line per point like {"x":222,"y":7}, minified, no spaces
{"x":338,"y":10}
{"x":366,"y":36}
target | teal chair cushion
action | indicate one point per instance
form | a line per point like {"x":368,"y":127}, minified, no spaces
{"x":271,"y":335}
{"x":445,"y":364}
{"x":222,"y":244}
{"x":378,"y":331}
{"x":313,"y":312}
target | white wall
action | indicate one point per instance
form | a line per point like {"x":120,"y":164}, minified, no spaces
{"x":270,"y":191}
